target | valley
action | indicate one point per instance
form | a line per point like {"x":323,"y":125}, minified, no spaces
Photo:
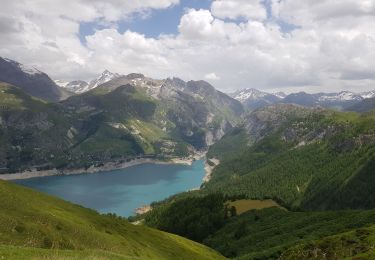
{"x":251,"y":175}
{"x":187,"y":130}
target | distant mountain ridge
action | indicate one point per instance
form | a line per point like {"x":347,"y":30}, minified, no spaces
{"x":252,"y":98}
{"x":81,"y":86}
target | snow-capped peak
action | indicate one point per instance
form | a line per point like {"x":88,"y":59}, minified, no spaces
{"x":369,"y":94}
{"x":103,"y":78}
{"x":341,"y":96}
{"x":61,"y":83}
{"x":248,"y":93}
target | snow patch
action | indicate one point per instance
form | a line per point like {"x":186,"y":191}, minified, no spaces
{"x":29,"y":70}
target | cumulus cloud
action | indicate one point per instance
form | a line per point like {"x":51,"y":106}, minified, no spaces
{"x":234,"y":9}
{"x":332,"y":45}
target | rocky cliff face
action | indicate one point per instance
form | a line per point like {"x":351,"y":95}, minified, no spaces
{"x":194,"y":110}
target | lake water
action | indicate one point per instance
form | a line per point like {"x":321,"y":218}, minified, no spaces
{"x":122,"y":191}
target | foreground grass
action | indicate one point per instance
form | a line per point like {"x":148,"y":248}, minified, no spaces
{"x":35,"y":225}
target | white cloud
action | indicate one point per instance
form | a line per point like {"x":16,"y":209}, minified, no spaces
{"x":333,"y":47}
{"x":211,"y":76}
{"x":234,"y":9}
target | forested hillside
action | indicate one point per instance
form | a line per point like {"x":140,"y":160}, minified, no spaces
{"x":305,"y":158}
{"x":317,"y":164}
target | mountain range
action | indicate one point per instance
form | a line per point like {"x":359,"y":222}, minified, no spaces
{"x":252,"y":98}
{"x":125,"y":117}
{"x":80,"y":86}
{"x":344,"y":100}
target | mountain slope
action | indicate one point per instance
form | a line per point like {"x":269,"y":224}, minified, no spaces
{"x":31,"y":80}
{"x":267,"y":233}
{"x":304,"y":158}
{"x":193,"y":112}
{"x":32,"y":131}
{"x":363,"y":106}
{"x":275,"y":234}
{"x":29,"y":219}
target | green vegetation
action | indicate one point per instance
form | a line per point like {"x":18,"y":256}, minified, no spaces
{"x":357,"y":244}
{"x":195,"y":217}
{"x":231,"y":145}
{"x":15,"y":99}
{"x":36,"y":225}
{"x":246,"y":205}
{"x":268,"y":233}
{"x":310,"y":161}
{"x":255,"y":234}
{"x":308,"y":171}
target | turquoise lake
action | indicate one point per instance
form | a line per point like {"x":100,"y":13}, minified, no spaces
{"x":122,"y":191}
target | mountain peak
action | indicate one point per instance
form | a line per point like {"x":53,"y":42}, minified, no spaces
{"x":248,"y":94}
{"x":103,"y":78}
{"x":107,"y":72}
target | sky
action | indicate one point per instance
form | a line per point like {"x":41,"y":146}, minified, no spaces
{"x":271,"y":45}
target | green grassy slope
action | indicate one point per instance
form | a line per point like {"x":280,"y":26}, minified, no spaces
{"x":33,"y":224}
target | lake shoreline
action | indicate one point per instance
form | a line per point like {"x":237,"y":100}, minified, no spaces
{"x":111,"y":166}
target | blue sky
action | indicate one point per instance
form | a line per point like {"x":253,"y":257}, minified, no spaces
{"x":162,"y":21}
{"x":165,"y":21}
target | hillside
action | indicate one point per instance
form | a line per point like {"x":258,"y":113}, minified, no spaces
{"x":36,"y":225}
{"x":316,"y":163}
{"x":31,"y":80}
{"x":305,"y":158}
{"x":363,"y":106}
{"x":273,"y":233}
{"x":263,"y":231}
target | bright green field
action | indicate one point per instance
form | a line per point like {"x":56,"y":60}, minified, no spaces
{"x":35,"y":225}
